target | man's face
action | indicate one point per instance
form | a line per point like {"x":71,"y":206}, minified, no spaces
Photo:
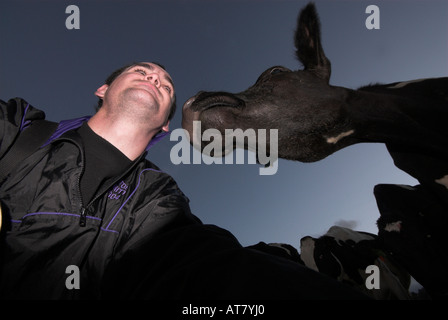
{"x":144,"y":90}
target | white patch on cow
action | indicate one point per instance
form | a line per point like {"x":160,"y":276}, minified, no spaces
{"x":334,"y":140}
{"x":307,"y":252}
{"x":405,"y":83}
{"x":343,"y":234}
{"x":393,"y":226}
{"x":443,"y":181}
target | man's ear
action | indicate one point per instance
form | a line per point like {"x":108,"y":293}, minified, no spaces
{"x":166,"y":127}
{"x":101,"y":91}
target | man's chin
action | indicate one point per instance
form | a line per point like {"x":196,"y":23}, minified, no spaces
{"x":142,"y":98}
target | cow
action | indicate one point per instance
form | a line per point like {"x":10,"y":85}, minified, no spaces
{"x":315,"y":119}
{"x":346,"y":255}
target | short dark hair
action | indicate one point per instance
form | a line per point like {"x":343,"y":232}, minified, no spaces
{"x":119,"y":71}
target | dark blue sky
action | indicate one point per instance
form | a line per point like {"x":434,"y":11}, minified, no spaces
{"x":225,"y":45}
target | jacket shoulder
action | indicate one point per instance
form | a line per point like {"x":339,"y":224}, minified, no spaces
{"x":18,"y":111}
{"x":15,"y":115}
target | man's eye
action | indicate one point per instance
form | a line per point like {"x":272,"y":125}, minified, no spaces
{"x":168,"y":89}
{"x":143,"y":72}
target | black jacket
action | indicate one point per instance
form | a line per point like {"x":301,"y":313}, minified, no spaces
{"x":135,"y":239}
{"x":43,"y":211}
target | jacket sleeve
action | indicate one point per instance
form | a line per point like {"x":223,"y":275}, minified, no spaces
{"x":15,"y":115}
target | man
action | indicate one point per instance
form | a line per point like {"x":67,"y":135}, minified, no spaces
{"x":74,"y":201}
{"x":88,"y":201}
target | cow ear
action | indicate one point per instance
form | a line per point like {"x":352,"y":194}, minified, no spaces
{"x":308,"y":44}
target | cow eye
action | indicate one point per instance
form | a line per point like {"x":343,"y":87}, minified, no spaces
{"x":276,"y":70}
{"x":269,"y":72}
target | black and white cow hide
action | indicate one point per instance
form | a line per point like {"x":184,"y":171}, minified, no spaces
{"x":345,"y":254}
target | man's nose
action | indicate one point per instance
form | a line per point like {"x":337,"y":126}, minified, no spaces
{"x":154,"y":79}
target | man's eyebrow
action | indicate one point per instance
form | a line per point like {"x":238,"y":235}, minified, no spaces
{"x":150,"y":67}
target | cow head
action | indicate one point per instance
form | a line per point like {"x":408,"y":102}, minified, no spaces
{"x":300,"y":104}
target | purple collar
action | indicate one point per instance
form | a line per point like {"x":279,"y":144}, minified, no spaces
{"x":66,"y":125}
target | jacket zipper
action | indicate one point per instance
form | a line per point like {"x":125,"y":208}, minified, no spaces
{"x":83,"y":213}
{"x":83,"y":210}
{"x":82,"y":219}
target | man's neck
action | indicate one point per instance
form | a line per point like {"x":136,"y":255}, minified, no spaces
{"x":129,"y":138}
